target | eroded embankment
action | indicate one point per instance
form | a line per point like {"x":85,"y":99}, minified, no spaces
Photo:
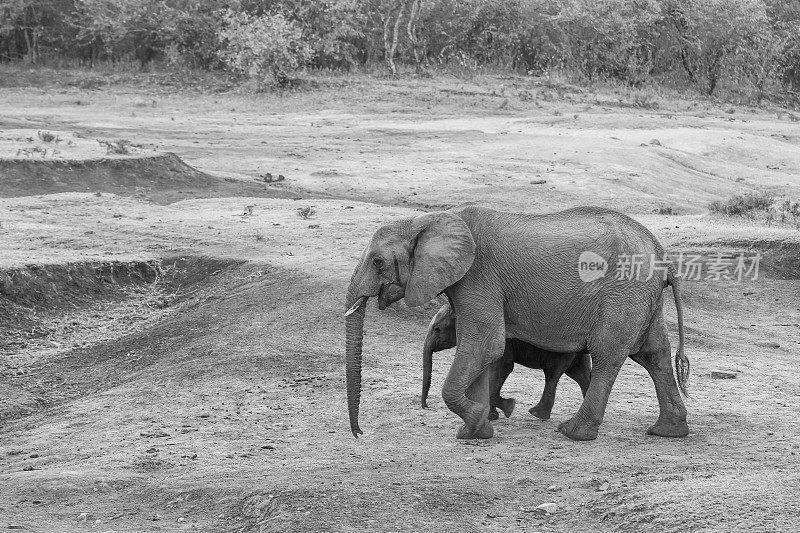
{"x":47,"y":311}
{"x":778,"y":259}
{"x":162,"y":178}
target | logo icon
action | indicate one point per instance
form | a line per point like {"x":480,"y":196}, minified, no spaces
{"x":591,"y":266}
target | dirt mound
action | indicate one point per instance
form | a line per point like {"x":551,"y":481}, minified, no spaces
{"x":34,"y":295}
{"x":68,"y":331}
{"x":47,"y":311}
{"x":161,"y":178}
{"x":780,"y":259}
{"x":58,"y":286}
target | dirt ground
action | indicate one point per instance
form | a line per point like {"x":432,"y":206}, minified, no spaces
{"x":178,"y":365}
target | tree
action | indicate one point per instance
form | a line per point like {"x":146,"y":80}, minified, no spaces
{"x":25,"y":17}
{"x":784,"y":16}
{"x":392,"y":14}
{"x":194,"y":35}
{"x":267,"y":48}
{"x":140,"y":28}
{"x":708,"y":34}
{"x":475,"y":32}
{"x":760,"y":59}
{"x":331,"y":28}
{"x":386,"y":24}
{"x":613,"y":38}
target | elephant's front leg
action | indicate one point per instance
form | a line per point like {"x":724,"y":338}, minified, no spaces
{"x":466,"y":389}
{"x":478,"y":392}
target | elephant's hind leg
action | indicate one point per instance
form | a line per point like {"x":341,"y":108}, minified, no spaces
{"x":656,"y":357}
{"x":609,"y":352}
{"x":581,"y":371}
{"x":543,"y":409}
{"x":586,"y":422}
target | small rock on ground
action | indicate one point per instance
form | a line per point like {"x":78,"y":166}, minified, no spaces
{"x":547,"y":508}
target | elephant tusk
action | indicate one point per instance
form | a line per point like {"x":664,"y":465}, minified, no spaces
{"x":356,"y":305}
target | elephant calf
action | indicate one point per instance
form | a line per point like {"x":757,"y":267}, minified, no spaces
{"x":442,"y":335}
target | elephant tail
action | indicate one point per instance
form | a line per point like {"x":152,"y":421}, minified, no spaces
{"x":681,"y":361}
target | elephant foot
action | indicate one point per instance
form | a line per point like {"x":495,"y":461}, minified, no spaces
{"x":670,"y":428}
{"x":577,"y":431}
{"x":493,"y":414}
{"x":507,"y":406}
{"x":483,"y":431}
{"x":540,"y":412}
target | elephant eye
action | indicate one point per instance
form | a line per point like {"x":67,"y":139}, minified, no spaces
{"x":436,"y":329}
{"x":377,"y":261}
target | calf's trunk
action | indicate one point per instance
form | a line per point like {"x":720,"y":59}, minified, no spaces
{"x":427,"y":368}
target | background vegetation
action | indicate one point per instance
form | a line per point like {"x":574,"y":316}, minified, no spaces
{"x":747,"y":46}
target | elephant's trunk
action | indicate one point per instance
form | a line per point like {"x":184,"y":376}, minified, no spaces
{"x":354,"y":335}
{"x":427,"y":367}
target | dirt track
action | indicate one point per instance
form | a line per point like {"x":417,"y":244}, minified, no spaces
{"x":214,"y":399}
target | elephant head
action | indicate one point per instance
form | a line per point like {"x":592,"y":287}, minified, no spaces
{"x":413,"y":258}
{"x":441,"y":336}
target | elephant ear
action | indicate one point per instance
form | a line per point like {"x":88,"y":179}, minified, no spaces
{"x":443,"y":252}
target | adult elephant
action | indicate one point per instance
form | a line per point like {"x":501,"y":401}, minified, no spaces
{"x":539,"y":278}
{"x":441,"y":335}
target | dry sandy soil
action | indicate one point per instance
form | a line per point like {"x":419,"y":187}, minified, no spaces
{"x":174,"y":362}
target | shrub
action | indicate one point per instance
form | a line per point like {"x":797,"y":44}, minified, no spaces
{"x":306,"y":212}
{"x":787,"y":208}
{"x":117,"y":147}
{"x":266,"y":48}
{"x":742,"y":204}
{"x":47,"y":137}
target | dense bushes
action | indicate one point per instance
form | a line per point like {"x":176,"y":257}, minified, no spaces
{"x":742,"y":204}
{"x":754,"y":206}
{"x":752,"y":45}
{"x":266,"y":48}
